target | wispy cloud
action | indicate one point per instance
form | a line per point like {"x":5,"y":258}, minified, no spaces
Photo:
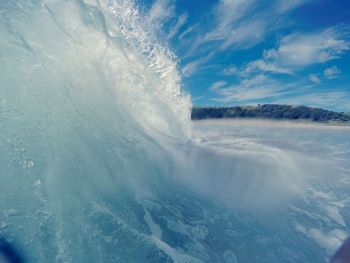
{"x":199,"y":98}
{"x":227,"y":13}
{"x":188,"y":31}
{"x":190,"y":68}
{"x":332,"y":72}
{"x":244,"y":23}
{"x":161,"y":11}
{"x":217,"y":85}
{"x":314,"y":79}
{"x":300,"y":50}
{"x":283,"y":6}
{"x":303,"y":49}
{"x":230,"y":70}
{"x":256,"y":88}
{"x":262,"y":88}
{"x":293,"y":53}
{"x":232,"y":26}
{"x":240,"y":24}
{"x":181,"y":21}
{"x":262,"y":65}
{"x":294,"y":63}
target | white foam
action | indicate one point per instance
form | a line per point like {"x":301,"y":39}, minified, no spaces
{"x":330,"y":240}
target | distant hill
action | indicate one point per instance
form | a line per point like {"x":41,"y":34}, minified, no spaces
{"x":270,"y":111}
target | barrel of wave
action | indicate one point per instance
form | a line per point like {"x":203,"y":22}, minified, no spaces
{"x":90,"y":49}
{"x":87,"y":99}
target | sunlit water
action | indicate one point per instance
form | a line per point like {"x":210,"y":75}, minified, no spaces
{"x":287,"y":186}
{"x":99,"y":161}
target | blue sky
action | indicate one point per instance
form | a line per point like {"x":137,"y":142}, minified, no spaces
{"x":245,"y":52}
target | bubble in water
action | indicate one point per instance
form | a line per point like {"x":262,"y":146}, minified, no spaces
{"x":230,"y":257}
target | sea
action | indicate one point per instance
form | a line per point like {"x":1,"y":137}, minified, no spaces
{"x":100,"y":162}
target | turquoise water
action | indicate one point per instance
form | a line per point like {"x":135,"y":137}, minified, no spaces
{"x":99,"y":161}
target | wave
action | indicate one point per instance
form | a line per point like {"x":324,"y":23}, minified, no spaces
{"x":99,"y":161}
{"x":89,"y":100}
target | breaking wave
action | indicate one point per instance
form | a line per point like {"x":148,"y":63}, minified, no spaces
{"x":89,"y":100}
{"x":99,"y":162}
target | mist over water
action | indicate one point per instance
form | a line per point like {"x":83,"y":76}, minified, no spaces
{"x":291,"y":179}
{"x":99,"y":161}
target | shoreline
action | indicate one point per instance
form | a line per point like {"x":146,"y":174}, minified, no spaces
{"x":275,"y":123}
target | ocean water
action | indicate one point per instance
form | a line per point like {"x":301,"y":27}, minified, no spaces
{"x":287,"y":185}
{"x":99,"y":161}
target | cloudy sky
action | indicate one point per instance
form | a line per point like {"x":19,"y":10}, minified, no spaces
{"x":239,"y":52}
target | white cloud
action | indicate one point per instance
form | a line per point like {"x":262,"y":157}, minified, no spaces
{"x":190,"y":68}
{"x":314,"y":79}
{"x":256,"y":88}
{"x":247,"y":35}
{"x":227,"y":13}
{"x":160,"y":11}
{"x":232,"y":26}
{"x":262,"y":87}
{"x":199,"y":98}
{"x":217,"y":85}
{"x":284,"y":6}
{"x":188,"y":31}
{"x":182,"y":19}
{"x":230,"y":71}
{"x":261,"y":65}
{"x":244,"y":23}
{"x":332,"y":72}
{"x":241,"y":24}
{"x":299,"y":50}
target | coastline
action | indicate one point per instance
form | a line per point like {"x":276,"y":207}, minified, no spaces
{"x":275,"y":123}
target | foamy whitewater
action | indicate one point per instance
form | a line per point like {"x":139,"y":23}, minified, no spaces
{"x":99,"y":161}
